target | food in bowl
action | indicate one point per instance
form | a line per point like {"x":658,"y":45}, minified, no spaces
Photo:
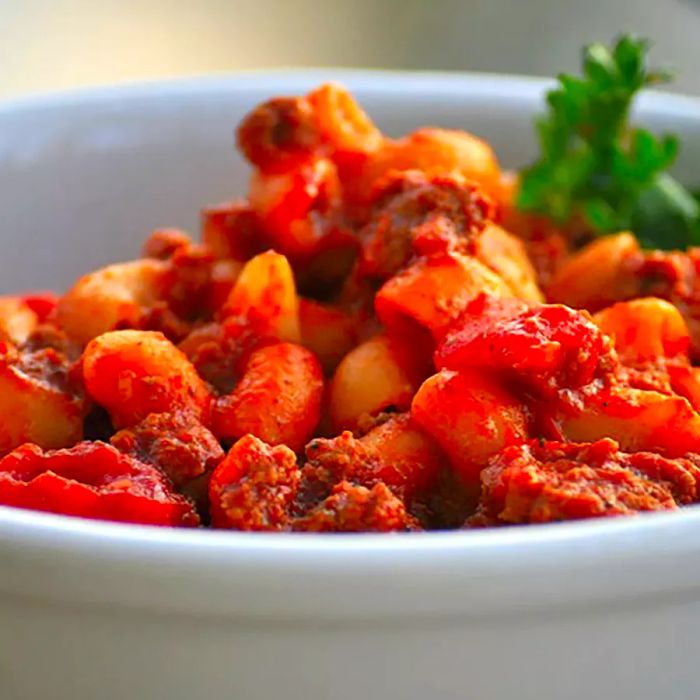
{"x":387,"y":335}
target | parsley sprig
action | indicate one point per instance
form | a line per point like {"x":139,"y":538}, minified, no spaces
{"x":595,"y":167}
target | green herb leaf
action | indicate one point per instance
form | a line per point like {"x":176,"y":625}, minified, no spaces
{"x":666,"y":212}
{"x":594,"y":166}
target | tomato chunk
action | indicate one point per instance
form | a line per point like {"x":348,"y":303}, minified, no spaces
{"x":92,"y":480}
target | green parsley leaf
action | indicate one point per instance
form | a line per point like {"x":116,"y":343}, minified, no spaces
{"x":594,"y":166}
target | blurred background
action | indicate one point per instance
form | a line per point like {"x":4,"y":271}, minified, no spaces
{"x":52,"y":44}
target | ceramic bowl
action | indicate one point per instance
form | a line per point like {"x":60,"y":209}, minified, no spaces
{"x":96,"y":611}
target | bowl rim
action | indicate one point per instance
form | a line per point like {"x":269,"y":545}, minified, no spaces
{"x":593,"y":560}
{"x":482,"y":84}
{"x":285,"y":78}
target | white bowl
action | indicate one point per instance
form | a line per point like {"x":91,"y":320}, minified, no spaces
{"x":95,"y":611}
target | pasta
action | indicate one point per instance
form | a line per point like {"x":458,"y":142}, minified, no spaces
{"x":376,"y":339}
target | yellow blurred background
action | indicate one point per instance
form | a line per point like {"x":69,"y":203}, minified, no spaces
{"x":52,"y":44}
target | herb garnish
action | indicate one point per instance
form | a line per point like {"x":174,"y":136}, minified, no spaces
{"x":596,"y":167}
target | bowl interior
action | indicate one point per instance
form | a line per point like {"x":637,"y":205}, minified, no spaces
{"x":85,"y":176}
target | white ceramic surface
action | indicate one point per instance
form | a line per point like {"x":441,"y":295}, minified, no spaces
{"x":93,"y":611}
